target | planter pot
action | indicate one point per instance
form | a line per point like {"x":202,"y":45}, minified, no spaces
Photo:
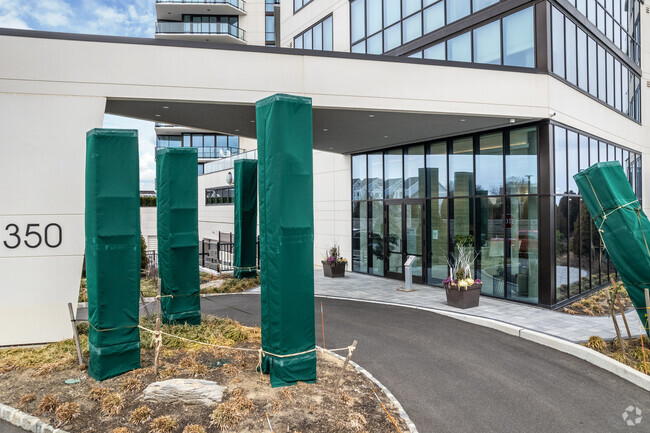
{"x":463,"y":298}
{"x":334,"y":271}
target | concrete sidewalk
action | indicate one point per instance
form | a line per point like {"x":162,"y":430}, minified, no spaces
{"x":569,"y":327}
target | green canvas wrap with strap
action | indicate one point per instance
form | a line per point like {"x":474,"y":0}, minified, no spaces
{"x":623,"y":225}
{"x":284,"y":147}
{"x":178,"y":235}
{"x":113,"y":251}
{"x":245,"y":218}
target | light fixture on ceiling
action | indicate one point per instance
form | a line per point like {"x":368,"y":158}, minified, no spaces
{"x":325,"y":129}
{"x":165,"y":107}
{"x":252,"y":121}
{"x":385,"y":136}
{"x":512,"y":120}
{"x":371,"y":115}
{"x":236,"y":130}
{"x":462,"y":120}
{"x":157,"y":115}
{"x":229,"y":179}
{"x":331,"y":148}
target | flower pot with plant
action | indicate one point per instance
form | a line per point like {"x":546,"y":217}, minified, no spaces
{"x":333,"y":263}
{"x":462,"y":290}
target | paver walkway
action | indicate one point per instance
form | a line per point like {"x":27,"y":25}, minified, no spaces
{"x":570,"y":327}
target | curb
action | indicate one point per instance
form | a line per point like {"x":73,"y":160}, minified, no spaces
{"x":25,"y":421}
{"x":387,"y":393}
{"x":591,"y":356}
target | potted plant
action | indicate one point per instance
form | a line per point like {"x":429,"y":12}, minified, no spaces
{"x":462,"y":291}
{"x":333,"y":263}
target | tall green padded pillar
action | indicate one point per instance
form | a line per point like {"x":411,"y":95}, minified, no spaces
{"x":284,"y":147}
{"x":245,"y":218}
{"x":113,"y":251}
{"x":624,"y":227}
{"x":178,"y":234}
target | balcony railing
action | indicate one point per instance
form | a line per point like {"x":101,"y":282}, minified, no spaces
{"x":216,"y":152}
{"x":201,"y":29}
{"x":239,"y":4}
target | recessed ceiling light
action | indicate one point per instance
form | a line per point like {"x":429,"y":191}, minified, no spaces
{"x":325,"y":129}
{"x":512,"y":120}
{"x":331,"y":148}
{"x":252,"y":121}
{"x":236,"y":130}
{"x":385,"y":136}
{"x":371,"y":115}
{"x":462,"y":120}
{"x":165,"y":107}
{"x":157,"y":115}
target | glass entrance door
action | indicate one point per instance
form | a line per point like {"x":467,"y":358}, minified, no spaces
{"x":404,"y":229}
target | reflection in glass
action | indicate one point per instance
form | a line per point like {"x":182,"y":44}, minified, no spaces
{"x":477,"y":5}
{"x":572,"y":158}
{"x":360,"y":236}
{"x":436,"y":52}
{"x":412,"y":28}
{"x":557,"y":33}
{"x":392,"y":37}
{"x":521,"y":161}
{"x":519,"y":39}
{"x":489,"y":165}
{"x":461,"y":224}
{"x":359,"y":179}
{"x":357,"y":18}
{"x":393,"y":173}
{"x":434,"y":17}
{"x":582,"y":60}
{"x":394,"y":240}
{"x":439,"y":243}
{"x":574,"y":246}
{"x":487,"y":44}
{"x":490,"y":241}
{"x":522,"y":229}
{"x":414,"y":236}
{"x":376,"y":238}
{"x":391,"y":12}
{"x":437,"y":169}
{"x":457,"y":9}
{"x":461,"y":168}
{"x":571,"y":67}
{"x":561,"y":248}
{"x":414,"y":178}
{"x":459,"y":49}
{"x":375,"y":176}
{"x":560,"y":161}
{"x":373,"y":16}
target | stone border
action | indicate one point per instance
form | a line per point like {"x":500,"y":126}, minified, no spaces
{"x":389,"y":395}
{"x":591,"y":356}
{"x":26,"y":421}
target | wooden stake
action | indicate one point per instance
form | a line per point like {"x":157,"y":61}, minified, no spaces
{"x":647,"y":310}
{"x":158,"y":338}
{"x":613,"y":314}
{"x":645,"y":365}
{"x":75,"y":334}
{"x":322,"y":323}
{"x":345,"y":364}
{"x":627,"y":327}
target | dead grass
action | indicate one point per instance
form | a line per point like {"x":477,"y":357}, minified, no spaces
{"x":48,"y":403}
{"x":632,"y":356}
{"x":141,"y":415}
{"x":231,"y":284}
{"x":112,"y":404}
{"x":26,"y":399}
{"x":120,"y":430}
{"x":194,"y":428}
{"x":66,"y":412}
{"x":231,"y":412}
{"x":596,"y":304}
{"x":131,"y":384}
{"x":46,"y":359}
{"x":163,"y":424}
{"x":97,"y":393}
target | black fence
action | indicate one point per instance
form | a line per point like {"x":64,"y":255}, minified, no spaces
{"x":219,"y":254}
{"x":152,"y":255}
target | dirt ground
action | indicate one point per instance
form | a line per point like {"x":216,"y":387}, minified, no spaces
{"x":315,"y":408}
{"x":596,"y":304}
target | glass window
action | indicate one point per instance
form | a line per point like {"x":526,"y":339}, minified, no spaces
{"x":436,"y":52}
{"x":233,"y":141}
{"x":375,"y":176}
{"x":391,"y":12}
{"x":376,"y":238}
{"x":297,"y":42}
{"x":522,"y":232}
{"x":416,"y":55}
{"x":359,"y":48}
{"x":490,"y":234}
{"x":359,"y":178}
{"x":521,"y":161}
{"x":489,"y":164}
{"x":610,"y":79}
{"x":412,"y":28}
{"x":601,"y":73}
{"x":414,"y":172}
{"x":208,"y":140}
{"x":602,"y":151}
{"x":459,"y":49}
{"x":437,"y":169}
{"x":318,"y":36}
{"x":519,"y":39}
{"x":222,"y":141}
{"x":461,"y":224}
{"x":197,"y":140}
{"x":438,"y":267}
{"x":374,"y":16}
{"x":187,"y":140}
{"x":434,"y":17}
{"x":561,"y":248}
{"x":392,"y":37}
{"x":571,"y":69}
{"x":461,"y":167}
{"x":593,"y":69}
{"x":410,"y":6}
{"x":270,"y":29}
{"x":328,"y":39}
{"x":357,"y":20}
{"x":487,"y":43}
{"x":593,"y":151}
{"x":572,"y":158}
{"x":560,"y":161}
{"x":617,"y":84}
{"x":307,"y":41}
{"x":374,"y":44}
{"x":393,"y":173}
{"x":360,"y":236}
{"x":558,"y":42}
{"x":584,"y":152}
{"x":582,"y":6}
{"x":477,"y":5}
{"x":457,"y":9}
{"x":626,"y":90}
{"x":582,"y":60}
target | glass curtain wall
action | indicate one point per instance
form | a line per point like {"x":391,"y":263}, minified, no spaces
{"x":478,"y":190}
{"x":581,"y":262}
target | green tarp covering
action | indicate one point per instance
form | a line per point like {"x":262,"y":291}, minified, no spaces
{"x":245,"y":218}
{"x":178,"y":234}
{"x":113,"y":251}
{"x":625,"y":229}
{"x":284,"y":148}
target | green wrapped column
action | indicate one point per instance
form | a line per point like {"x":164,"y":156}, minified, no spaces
{"x":284,"y":148}
{"x":113,"y":251}
{"x":624,"y":226}
{"x":178,"y":234}
{"x":245,"y":218}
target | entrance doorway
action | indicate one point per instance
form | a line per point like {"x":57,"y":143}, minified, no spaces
{"x":404,"y":236}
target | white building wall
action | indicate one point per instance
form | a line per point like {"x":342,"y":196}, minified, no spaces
{"x":149,"y":227}
{"x":294,"y":24}
{"x":253,"y":22}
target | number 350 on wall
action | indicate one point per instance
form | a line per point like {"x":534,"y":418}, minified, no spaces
{"x":32,"y":235}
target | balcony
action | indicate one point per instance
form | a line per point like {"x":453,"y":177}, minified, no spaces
{"x":209,"y":32}
{"x":215,"y":152}
{"x":174,"y":10}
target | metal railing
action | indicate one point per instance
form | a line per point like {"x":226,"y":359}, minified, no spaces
{"x":239,"y":4}
{"x":200,"y":28}
{"x":153,"y":259}
{"x":219,"y":152}
{"x":219,"y":254}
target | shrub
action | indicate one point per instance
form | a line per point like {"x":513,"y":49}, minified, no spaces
{"x":147,"y":201}
{"x":112,"y":404}
{"x":131,"y":384}
{"x":193,"y":428}
{"x":27,"y":398}
{"x":163,"y":424}
{"x":48,"y":403}
{"x":596,"y":343}
{"x":66,"y":412}
{"x":97,"y":393}
{"x":120,"y":430}
{"x":144,"y":260}
{"x":141,"y":415}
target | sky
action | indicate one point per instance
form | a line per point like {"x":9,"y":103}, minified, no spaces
{"x":134,"y":18}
